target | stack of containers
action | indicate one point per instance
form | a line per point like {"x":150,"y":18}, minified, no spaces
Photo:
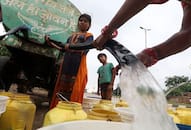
{"x":104,"y":110}
{"x":88,"y":103}
{"x":126,"y":114}
{"x":173,"y":114}
{"x":184,"y":114}
{"x":121,"y":103}
{"x":124,"y":111}
{"x":180,"y":114}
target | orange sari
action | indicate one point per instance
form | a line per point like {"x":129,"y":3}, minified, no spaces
{"x":79,"y":84}
{"x":57,"y":88}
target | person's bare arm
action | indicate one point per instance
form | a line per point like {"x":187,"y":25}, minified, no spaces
{"x":98,"y":87}
{"x":127,"y":10}
{"x":175,"y":44}
{"x":113,"y":76}
{"x":179,"y":41}
{"x":51,"y":43}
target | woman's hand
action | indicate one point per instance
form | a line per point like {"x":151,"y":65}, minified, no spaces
{"x":47,"y":39}
{"x":100,"y":41}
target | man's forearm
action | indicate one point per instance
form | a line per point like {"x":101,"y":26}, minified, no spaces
{"x":127,"y":10}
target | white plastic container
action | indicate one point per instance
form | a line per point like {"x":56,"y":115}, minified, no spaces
{"x":88,"y":125}
{"x":3,"y":103}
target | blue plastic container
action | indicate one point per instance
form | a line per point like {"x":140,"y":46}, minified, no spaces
{"x":184,"y":127}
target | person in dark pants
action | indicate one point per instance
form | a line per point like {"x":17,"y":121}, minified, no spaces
{"x":3,"y":61}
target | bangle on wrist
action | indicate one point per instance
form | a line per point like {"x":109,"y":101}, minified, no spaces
{"x":105,"y":32}
{"x":151,"y":52}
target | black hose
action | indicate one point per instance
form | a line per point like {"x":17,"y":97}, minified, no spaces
{"x":15,"y":30}
{"x":121,"y":53}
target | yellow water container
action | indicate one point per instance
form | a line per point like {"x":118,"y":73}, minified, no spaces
{"x":108,"y":116}
{"x":8,"y":94}
{"x":63,"y":112}
{"x":104,"y":110}
{"x":20,"y":112}
{"x":103,"y":101}
{"x":88,"y":103}
{"x":172,"y":113}
{"x":103,"y":106}
{"x":121,"y":103}
{"x":184,"y":115}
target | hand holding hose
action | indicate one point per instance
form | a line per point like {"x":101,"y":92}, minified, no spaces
{"x":50,"y":43}
{"x":104,"y":37}
{"x":148,"y":56}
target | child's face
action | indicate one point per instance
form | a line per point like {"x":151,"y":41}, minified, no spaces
{"x":102,"y":59}
{"x":83,"y":24}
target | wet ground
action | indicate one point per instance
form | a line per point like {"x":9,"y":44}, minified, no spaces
{"x":41,"y":110}
{"x":42,"y":107}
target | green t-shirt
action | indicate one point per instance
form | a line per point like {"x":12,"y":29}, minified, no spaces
{"x":105,"y":73}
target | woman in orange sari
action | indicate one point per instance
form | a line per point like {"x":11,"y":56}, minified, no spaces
{"x":72,"y":77}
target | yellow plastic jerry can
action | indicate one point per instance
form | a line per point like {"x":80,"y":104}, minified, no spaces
{"x":19,"y":114}
{"x":184,"y":115}
{"x":172,"y":113}
{"x":121,"y":103}
{"x":64,"y":111}
{"x":104,"y":110}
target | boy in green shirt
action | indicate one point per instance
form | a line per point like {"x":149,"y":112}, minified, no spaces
{"x":106,"y":77}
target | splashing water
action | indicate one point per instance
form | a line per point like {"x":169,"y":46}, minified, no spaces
{"x":145,"y":98}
